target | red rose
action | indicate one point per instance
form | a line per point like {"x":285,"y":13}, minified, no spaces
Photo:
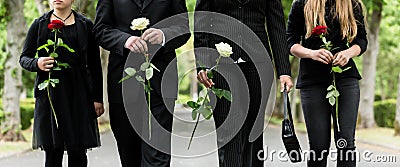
{"x":318,"y":30}
{"x":55,"y":24}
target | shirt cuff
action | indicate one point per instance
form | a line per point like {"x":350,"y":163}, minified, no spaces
{"x":163,"y":38}
{"x":285,"y":75}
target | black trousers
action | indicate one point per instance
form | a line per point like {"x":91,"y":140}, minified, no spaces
{"x":76,"y":157}
{"x":133,"y":151}
{"x":239,"y":151}
{"x":317,"y":113}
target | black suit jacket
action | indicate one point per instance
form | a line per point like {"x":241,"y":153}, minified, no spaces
{"x":37,"y":36}
{"x":112,"y":29}
{"x":264,"y":17}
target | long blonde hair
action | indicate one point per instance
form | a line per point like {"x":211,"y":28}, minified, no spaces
{"x":314,"y":13}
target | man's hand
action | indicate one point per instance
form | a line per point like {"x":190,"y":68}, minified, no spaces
{"x":45,"y":63}
{"x":202,"y":77}
{"x":99,"y":108}
{"x":136,"y":44}
{"x":154,"y":36}
{"x":286,"y":80}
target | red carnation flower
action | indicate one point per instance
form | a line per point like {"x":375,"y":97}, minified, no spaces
{"x":318,"y":30}
{"x":55,"y":24}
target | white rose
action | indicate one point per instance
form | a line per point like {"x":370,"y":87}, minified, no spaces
{"x":140,"y":23}
{"x":224,"y":49}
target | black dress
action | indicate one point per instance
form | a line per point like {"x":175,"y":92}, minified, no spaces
{"x":72,"y":97}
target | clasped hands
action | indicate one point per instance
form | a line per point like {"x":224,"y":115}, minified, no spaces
{"x":138,"y":44}
{"x":326,"y":57}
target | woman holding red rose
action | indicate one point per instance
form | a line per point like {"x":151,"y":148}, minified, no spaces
{"x":76,"y":97}
{"x":342,"y":24}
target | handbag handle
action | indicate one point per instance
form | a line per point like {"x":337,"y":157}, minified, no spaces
{"x":285,"y":103}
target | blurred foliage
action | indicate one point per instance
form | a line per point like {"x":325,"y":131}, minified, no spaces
{"x":27,"y":111}
{"x":385,"y":112}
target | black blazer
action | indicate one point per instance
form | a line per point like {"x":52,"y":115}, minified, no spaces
{"x":112,"y":29}
{"x":264,"y":17}
{"x":37,"y":36}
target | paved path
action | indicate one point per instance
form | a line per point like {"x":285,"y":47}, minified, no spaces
{"x":107,"y":155}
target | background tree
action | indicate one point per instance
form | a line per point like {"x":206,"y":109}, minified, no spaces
{"x":16,"y":28}
{"x":397,"y":121}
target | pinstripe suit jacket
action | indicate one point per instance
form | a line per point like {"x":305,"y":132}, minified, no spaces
{"x":264,"y":17}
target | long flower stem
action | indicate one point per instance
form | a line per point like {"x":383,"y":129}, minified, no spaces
{"x":149,"y":110}
{"x":336,"y":102}
{"x":198,"y":119}
{"x":51,"y":103}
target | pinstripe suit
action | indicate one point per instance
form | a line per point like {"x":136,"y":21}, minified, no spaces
{"x":255,"y":14}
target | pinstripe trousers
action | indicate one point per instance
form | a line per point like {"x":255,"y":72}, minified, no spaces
{"x":235,"y":150}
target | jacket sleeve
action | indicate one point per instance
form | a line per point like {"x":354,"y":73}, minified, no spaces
{"x":276,"y":34}
{"x":178,"y":33}
{"x":94,"y":66}
{"x":27,"y":59}
{"x":361,"y":38}
{"x":202,"y":24}
{"x":107,"y":36}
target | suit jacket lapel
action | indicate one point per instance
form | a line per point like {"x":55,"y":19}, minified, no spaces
{"x":138,"y":3}
{"x":146,"y":3}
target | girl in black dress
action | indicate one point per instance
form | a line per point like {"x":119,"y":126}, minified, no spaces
{"x":346,"y":31}
{"x":76,"y":98}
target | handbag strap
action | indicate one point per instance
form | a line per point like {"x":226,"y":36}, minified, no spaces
{"x":287,"y":113}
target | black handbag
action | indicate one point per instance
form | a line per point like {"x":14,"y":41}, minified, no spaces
{"x":289,"y":137}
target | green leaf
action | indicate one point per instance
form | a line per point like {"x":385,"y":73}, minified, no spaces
{"x":57,"y":69}
{"x":205,"y":111}
{"x":336,"y":93}
{"x":144,"y":66}
{"x":152,"y":65}
{"x":50,"y":42}
{"x":200,"y":99}
{"x":43,"y":47}
{"x":60,"y":41}
{"x":140,"y":78}
{"x":43,"y":85}
{"x":63,"y":65}
{"x":147,"y":88}
{"x":37,"y":55}
{"x":217,"y":92}
{"x":331,"y":87}
{"x":194,"y":114}
{"x":332,"y":101}
{"x":192,"y":104}
{"x":149,"y":73}
{"x":55,"y":81}
{"x":53,"y":55}
{"x":124,"y":79}
{"x":227,"y":95}
{"x":130,"y":71}
{"x":337,"y":69}
{"x":210,"y":74}
{"x":348,"y":68}
{"x":67,"y":47}
{"x":329,"y":94}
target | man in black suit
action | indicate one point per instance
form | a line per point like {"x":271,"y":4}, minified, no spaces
{"x":113,"y":33}
{"x":265,"y":21}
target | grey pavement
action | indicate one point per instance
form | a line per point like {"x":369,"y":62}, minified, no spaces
{"x":203,"y":150}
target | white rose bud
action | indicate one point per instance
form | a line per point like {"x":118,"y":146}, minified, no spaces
{"x":140,"y":23}
{"x":224,"y":49}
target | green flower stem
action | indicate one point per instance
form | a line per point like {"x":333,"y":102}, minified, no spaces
{"x":51,"y":103}
{"x":198,"y":119}
{"x":336,"y":102}
{"x":148,"y":94}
